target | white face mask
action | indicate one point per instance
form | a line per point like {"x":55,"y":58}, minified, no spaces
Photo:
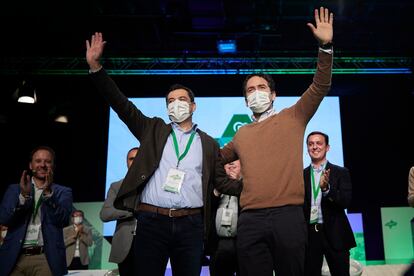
{"x":77,"y":220}
{"x":178,"y":111}
{"x":259,"y":101}
{"x":3,"y":233}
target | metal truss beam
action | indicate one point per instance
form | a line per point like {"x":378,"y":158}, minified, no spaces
{"x":204,"y":65}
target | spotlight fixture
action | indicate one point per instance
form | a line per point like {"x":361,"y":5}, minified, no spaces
{"x":26,"y":93}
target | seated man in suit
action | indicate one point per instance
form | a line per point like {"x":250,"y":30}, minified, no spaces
{"x":122,"y":251}
{"x":328,"y":192}
{"x":35,"y":212}
{"x":78,"y":238}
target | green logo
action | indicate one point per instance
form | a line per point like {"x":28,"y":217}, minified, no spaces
{"x":175,"y":177}
{"x":391,"y":224}
{"x":236,"y":122}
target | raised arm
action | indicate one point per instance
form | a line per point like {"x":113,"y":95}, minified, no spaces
{"x":323,"y":32}
{"x":126,"y":110}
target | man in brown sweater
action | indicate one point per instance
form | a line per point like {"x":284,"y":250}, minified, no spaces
{"x":271,"y":229}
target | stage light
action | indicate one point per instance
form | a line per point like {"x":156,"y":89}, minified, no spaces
{"x":26,"y":93}
{"x":62,"y":119}
{"x":227,"y":46}
{"x":60,"y":112}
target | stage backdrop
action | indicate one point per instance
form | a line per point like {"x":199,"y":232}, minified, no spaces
{"x":220,"y":117}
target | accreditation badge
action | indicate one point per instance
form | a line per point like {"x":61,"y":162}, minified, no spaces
{"x":226,"y":217}
{"x":314,"y":214}
{"x":174,"y":181}
{"x":32,"y":234}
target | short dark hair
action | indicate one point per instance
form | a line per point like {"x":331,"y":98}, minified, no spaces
{"x":180,"y":86}
{"x":49,"y":149}
{"x":78,"y":211}
{"x":134,"y":148}
{"x":318,"y":133}
{"x":268,"y":78}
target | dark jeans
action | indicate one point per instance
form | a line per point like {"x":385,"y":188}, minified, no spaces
{"x":224,"y":259}
{"x":318,"y":246}
{"x":272,"y":239}
{"x":126,"y":267}
{"x":160,"y":237}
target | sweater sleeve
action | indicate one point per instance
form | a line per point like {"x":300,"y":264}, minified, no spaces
{"x":309,"y":102}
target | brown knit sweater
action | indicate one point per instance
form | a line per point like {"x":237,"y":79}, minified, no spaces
{"x":271,"y":151}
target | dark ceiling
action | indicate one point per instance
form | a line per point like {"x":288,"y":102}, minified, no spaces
{"x":176,"y":27}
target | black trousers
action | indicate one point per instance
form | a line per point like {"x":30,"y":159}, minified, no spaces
{"x":272,"y":239}
{"x":126,"y":267}
{"x":161,"y":237}
{"x":224,"y":259}
{"x":77,"y":265}
{"x":318,"y":246}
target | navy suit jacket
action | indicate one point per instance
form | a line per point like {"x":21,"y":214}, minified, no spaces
{"x":336,"y":225}
{"x":55,"y":214}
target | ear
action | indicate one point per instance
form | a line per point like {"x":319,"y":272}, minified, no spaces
{"x":245,"y":100}
{"x":273,"y":95}
{"x":328,"y":147}
{"x":30,"y":166}
{"x":193,"y":107}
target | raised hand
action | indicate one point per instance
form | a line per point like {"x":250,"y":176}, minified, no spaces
{"x":25,"y":184}
{"x":48,"y":182}
{"x":94,"y":51}
{"x":323,"y":32}
{"x":324,"y":181}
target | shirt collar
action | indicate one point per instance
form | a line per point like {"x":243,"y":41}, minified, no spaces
{"x":320,"y":168}
{"x":176,"y":126}
{"x":264,"y":115}
{"x":34,"y":185}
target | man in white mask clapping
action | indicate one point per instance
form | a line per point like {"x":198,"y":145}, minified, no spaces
{"x":78,"y":237}
{"x":170,"y":183}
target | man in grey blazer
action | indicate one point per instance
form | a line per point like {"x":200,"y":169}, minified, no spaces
{"x":122,"y":252}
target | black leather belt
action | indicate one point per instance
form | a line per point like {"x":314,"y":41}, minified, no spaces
{"x":33,"y":250}
{"x":172,"y":213}
{"x":316,"y":227}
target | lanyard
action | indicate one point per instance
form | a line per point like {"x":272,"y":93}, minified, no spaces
{"x":315,"y":187}
{"x":36,"y":204}
{"x":187,"y":147}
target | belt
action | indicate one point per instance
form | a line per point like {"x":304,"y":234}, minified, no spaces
{"x":172,"y":213}
{"x":33,"y":250}
{"x":316,"y":227}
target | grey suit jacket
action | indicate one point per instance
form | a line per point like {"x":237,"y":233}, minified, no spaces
{"x":85,"y":241}
{"x":125,"y":226}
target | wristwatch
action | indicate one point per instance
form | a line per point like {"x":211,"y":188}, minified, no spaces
{"x":326,"y":46}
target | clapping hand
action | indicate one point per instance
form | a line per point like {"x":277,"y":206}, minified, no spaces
{"x":324,"y":181}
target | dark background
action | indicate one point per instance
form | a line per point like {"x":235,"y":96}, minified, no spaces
{"x":376,"y":110}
